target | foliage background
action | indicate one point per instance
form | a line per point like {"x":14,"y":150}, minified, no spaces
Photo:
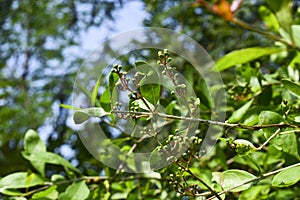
{"x":38,"y":69}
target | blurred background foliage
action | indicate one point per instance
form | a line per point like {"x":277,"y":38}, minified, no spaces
{"x":40,"y":45}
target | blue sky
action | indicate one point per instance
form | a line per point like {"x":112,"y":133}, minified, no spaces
{"x":128,"y":18}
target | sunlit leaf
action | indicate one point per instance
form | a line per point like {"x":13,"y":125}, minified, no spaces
{"x":285,"y":35}
{"x":48,"y":194}
{"x":75,"y":191}
{"x":83,"y":115}
{"x":95,"y":92}
{"x":120,"y":195}
{"x":238,"y":114}
{"x":112,"y":80}
{"x":233,"y":178}
{"x":269,"y":18}
{"x":19,"y":180}
{"x":57,"y":177}
{"x":141,"y":104}
{"x":147,"y":69}
{"x":291,"y":86}
{"x":105,"y":100}
{"x":149,"y":85}
{"x":296,"y":34}
{"x":269,"y":117}
{"x":151,"y":92}
{"x":11,"y":192}
{"x":283,"y":12}
{"x":286,"y":177}
{"x":69,"y":107}
{"x":254,"y":192}
{"x":51,"y":158}
{"x":286,"y":143}
{"x":33,"y":144}
{"x":172,"y":107}
{"x":243,"y":56}
{"x":295,"y":62}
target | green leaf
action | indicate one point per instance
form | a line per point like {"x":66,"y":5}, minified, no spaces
{"x":283,"y":12}
{"x":286,"y":177}
{"x":83,"y":115}
{"x":269,"y":117}
{"x":285,"y":35}
{"x":95,"y":92}
{"x":75,"y":191}
{"x":149,"y":87}
{"x":172,"y":107}
{"x":151,"y":92}
{"x":295,"y":62}
{"x":105,"y":100}
{"x":57,"y":177}
{"x":51,"y":158}
{"x":269,"y":18}
{"x":33,"y":144}
{"x":156,"y":158}
{"x":238,"y":114}
{"x":10,"y":192}
{"x":141,"y":104}
{"x":232,"y":178}
{"x":48,"y":194}
{"x":120,"y":195}
{"x":255,"y":192}
{"x":141,"y":63}
{"x":146,"y":68}
{"x":296,"y":34}
{"x":112,"y":80}
{"x":287,"y":143}
{"x":20,"y":180}
{"x":291,"y":86}
{"x":69,"y":107}
{"x":243,"y":56}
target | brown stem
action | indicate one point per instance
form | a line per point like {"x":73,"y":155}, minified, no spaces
{"x":200,"y":180}
{"x":204,"y":121}
{"x":246,"y":26}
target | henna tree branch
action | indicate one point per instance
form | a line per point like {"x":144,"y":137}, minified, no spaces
{"x":204,"y":121}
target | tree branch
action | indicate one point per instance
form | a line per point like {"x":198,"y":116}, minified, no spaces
{"x":204,"y":121}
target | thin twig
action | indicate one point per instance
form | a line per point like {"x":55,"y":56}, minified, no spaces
{"x":291,"y":131}
{"x":121,"y":166}
{"x":200,"y":180}
{"x":204,"y":121}
{"x":269,"y":139}
{"x":246,"y":26}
